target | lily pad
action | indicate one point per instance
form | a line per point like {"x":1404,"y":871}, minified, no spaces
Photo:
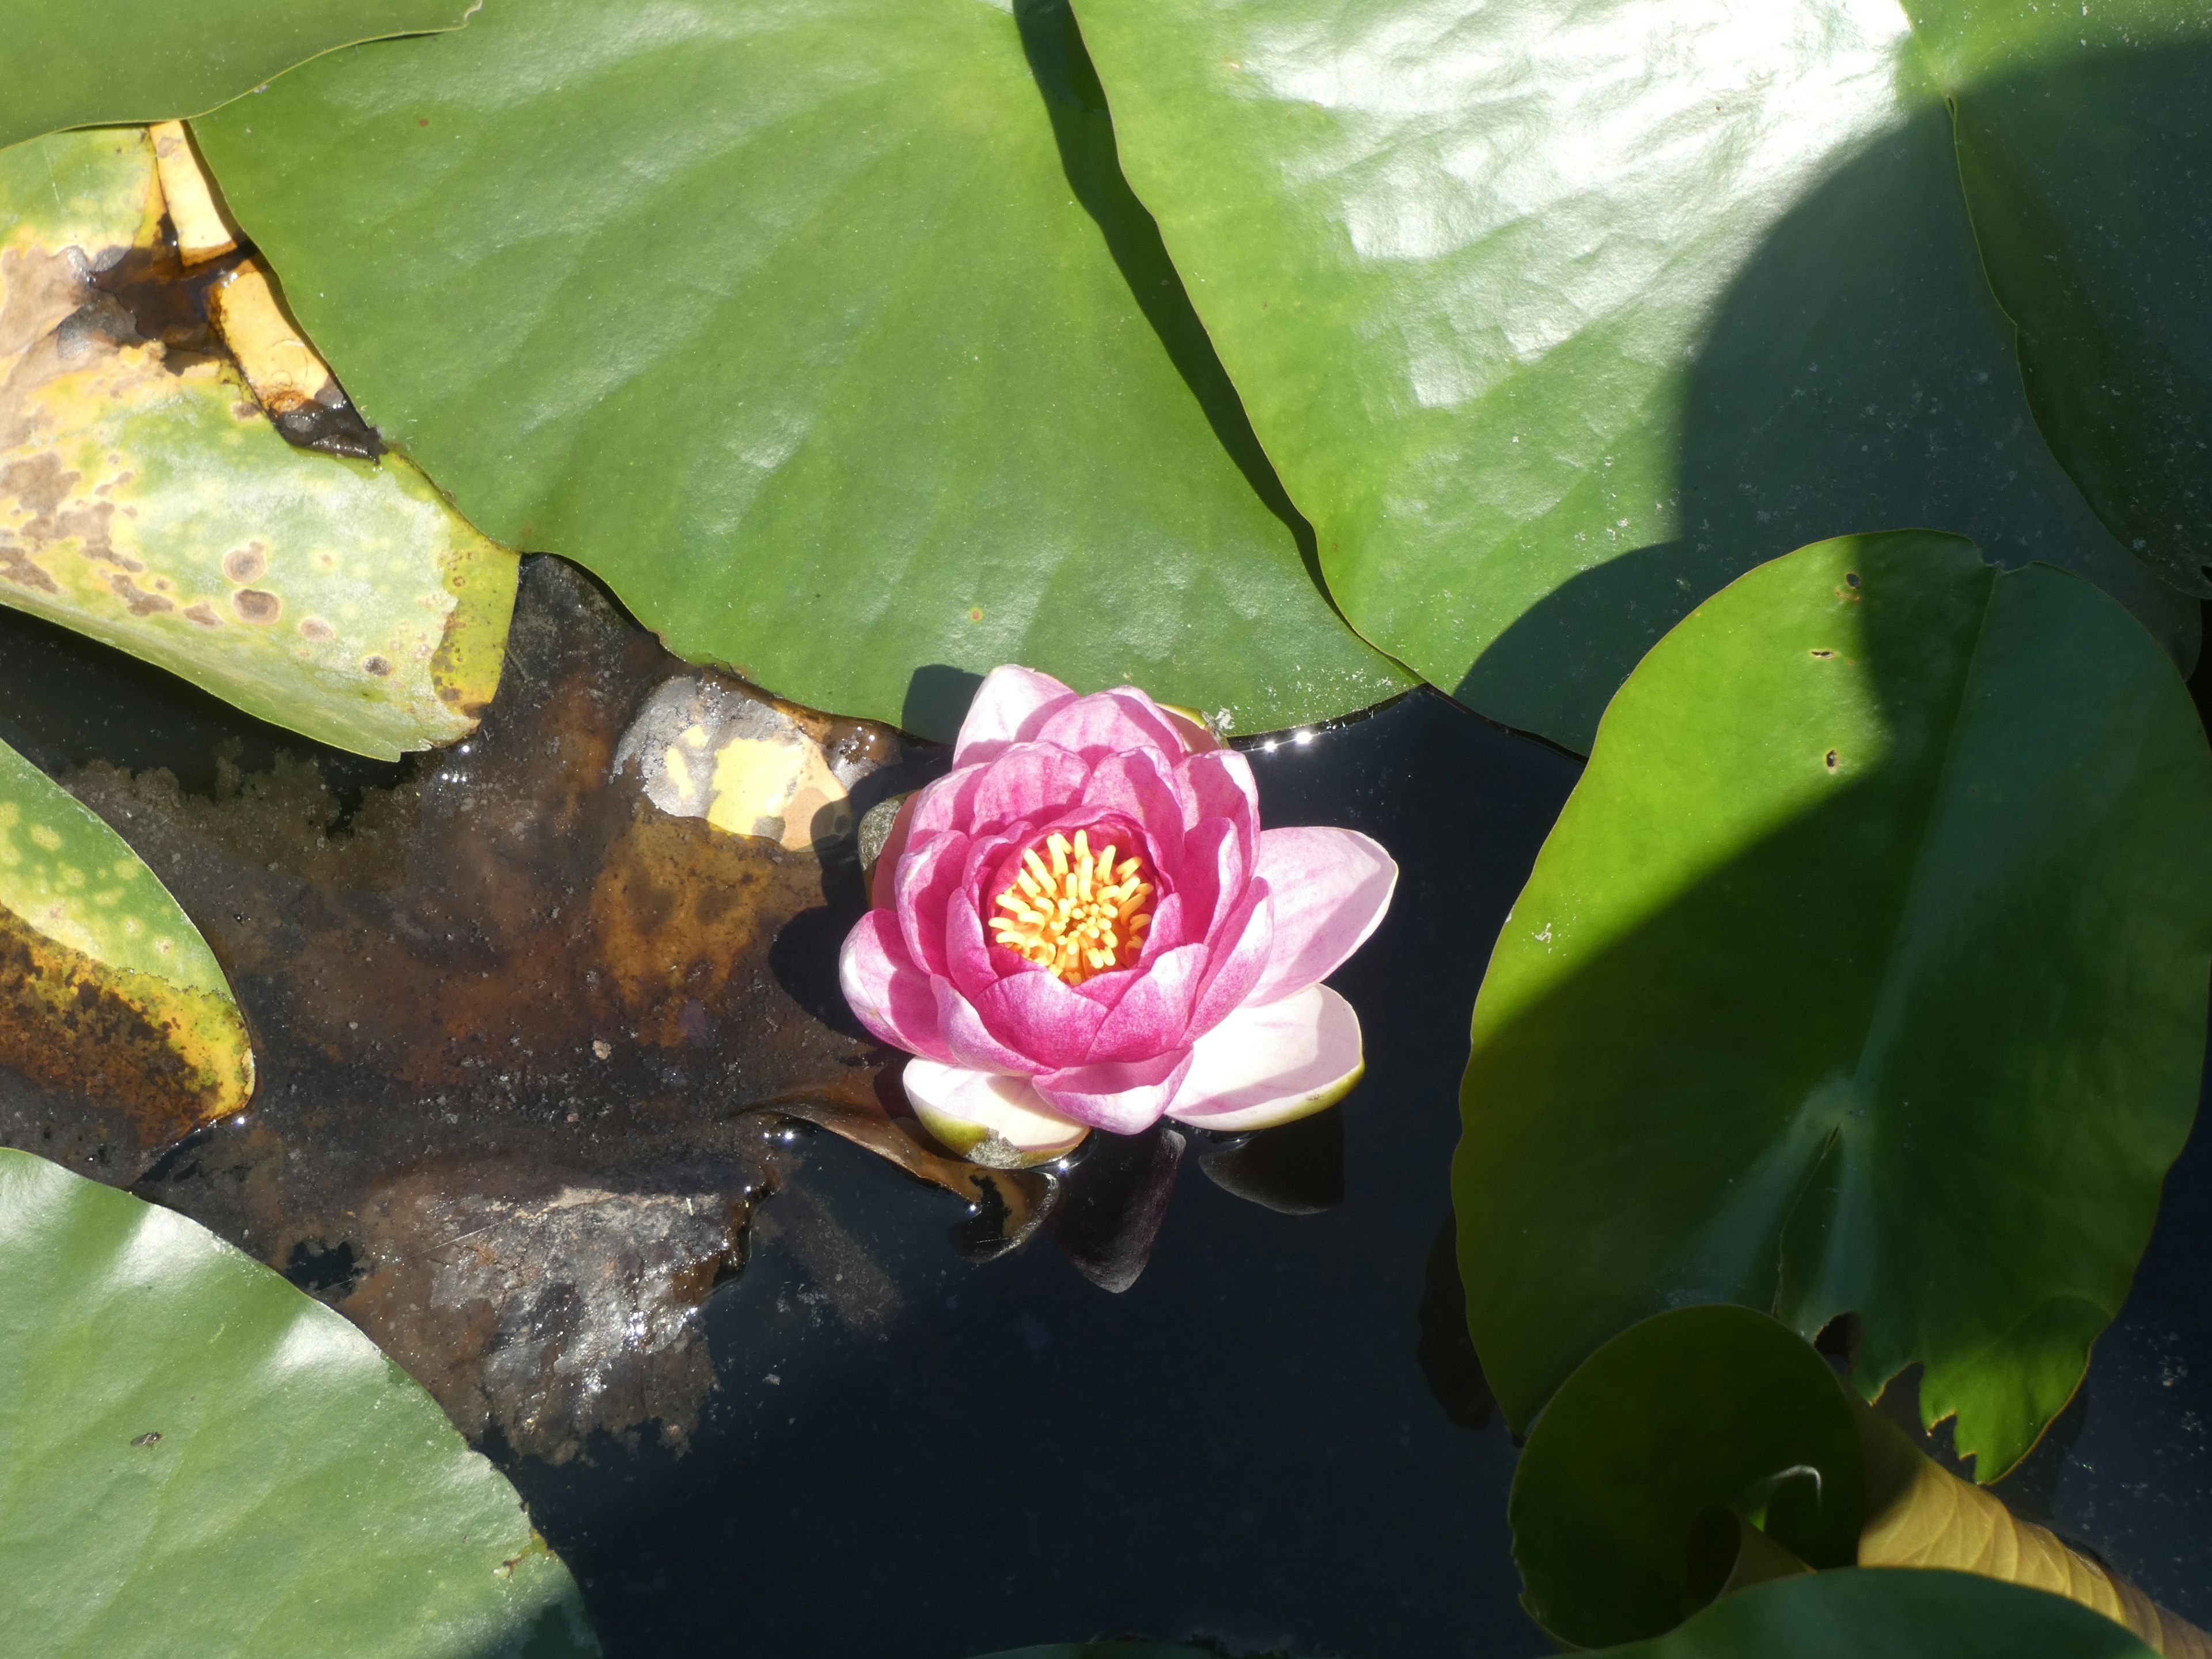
{"x":74,"y":63}
{"x":1865,"y":970}
{"x":201,"y":1460}
{"x":830,"y":337}
{"x":2081,"y":137}
{"x":1899,"y":1613}
{"x":1694,"y":1413}
{"x":106,"y":987}
{"x":1555,"y":321}
{"x":147,"y":499}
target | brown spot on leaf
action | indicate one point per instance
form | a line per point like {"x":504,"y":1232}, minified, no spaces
{"x":379,"y":666}
{"x":200,"y":614}
{"x":315,"y":627}
{"x":140,"y":602}
{"x":1831,"y":760}
{"x":257,"y":605}
{"x":246,"y":564}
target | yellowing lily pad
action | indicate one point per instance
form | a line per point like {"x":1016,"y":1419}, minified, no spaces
{"x":105,"y":987}
{"x":147,"y":501}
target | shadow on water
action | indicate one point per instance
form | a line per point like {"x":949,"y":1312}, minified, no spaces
{"x":1857,"y":374}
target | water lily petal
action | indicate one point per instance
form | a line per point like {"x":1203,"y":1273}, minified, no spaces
{"x":988,"y":1117}
{"x":968,"y":1041}
{"x":1112,"y":723}
{"x":1122,"y":1096}
{"x":926,"y":882}
{"x":1220,"y":784}
{"x":1329,"y":889}
{"x":1236,"y":957}
{"x":1136,"y":785}
{"x":1010,"y":706}
{"x":1152,"y":1013}
{"x":883,"y":883}
{"x":1214,"y":874}
{"x":949,"y":803}
{"x":887,"y":993}
{"x":1041,"y":1018}
{"x":1268,"y":1064}
{"x":1028,"y":781}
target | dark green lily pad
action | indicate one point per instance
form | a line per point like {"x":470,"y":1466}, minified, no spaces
{"x":2081,"y":136}
{"x":1693,"y":1411}
{"x":1555,"y":321}
{"x":831,"y":338}
{"x":92,"y":62}
{"x":201,"y":1460}
{"x":1897,"y":1612}
{"x":1865,"y":970}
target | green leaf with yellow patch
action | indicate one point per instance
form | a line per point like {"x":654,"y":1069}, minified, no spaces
{"x":147,"y":499}
{"x":105,"y":986}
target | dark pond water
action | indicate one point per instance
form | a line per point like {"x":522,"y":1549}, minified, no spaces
{"x":891,"y":1450}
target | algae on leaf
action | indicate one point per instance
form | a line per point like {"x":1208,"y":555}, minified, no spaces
{"x":78,"y":63}
{"x":830,"y":337}
{"x":147,"y":499}
{"x":201,"y":1460}
{"x":105,"y":987}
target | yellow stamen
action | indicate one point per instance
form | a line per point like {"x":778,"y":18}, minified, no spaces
{"x":1080,"y":916}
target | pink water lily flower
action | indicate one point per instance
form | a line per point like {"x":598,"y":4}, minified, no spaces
{"x":1083,"y":927}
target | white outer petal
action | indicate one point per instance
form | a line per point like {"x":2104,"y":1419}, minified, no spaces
{"x":988,"y":1117}
{"x":1268,"y":1065}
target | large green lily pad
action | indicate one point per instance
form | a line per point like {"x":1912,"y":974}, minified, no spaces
{"x":201,"y":1460}
{"x":1897,"y":1612}
{"x":146,"y":500}
{"x":829,"y":336}
{"x":1556,"y":319}
{"x":105,"y":987}
{"x":1865,"y":970}
{"x":81,"y":62}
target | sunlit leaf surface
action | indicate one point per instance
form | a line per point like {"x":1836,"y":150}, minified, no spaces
{"x":830,"y":337}
{"x":146,"y":499}
{"x":201,"y":1460}
{"x":76,"y":62}
{"x":105,"y":988}
{"x":1556,"y":318}
{"x":1865,"y":970}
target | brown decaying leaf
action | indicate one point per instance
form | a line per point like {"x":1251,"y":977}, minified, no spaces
{"x":530,"y":1043}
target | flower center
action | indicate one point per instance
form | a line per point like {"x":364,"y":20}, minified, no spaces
{"x":1079,"y":914}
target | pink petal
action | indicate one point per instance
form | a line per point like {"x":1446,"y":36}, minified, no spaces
{"x":1150,"y":1016}
{"x":1235,"y":960}
{"x":1213,"y":877}
{"x":1029,"y":781}
{"x":1329,"y":888}
{"x":1122,"y":1096}
{"x":1221,"y":786}
{"x":927,"y":881}
{"x":1136,"y":786}
{"x":1041,"y":1019}
{"x":948,"y":803}
{"x":988,"y":1117}
{"x":1111,"y":723}
{"x":968,"y":1041}
{"x":881,"y":883}
{"x":1010,"y":706}
{"x":886,"y":992}
{"x":1266,"y":1065}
